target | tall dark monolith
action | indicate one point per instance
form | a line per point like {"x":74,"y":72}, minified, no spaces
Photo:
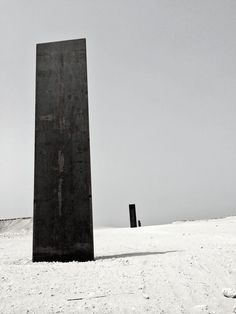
{"x":62,"y":224}
{"x":132,"y":216}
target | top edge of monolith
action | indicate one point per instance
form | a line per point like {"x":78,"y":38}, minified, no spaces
{"x":60,"y":41}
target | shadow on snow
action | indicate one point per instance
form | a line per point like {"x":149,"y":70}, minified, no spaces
{"x":133,"y":254}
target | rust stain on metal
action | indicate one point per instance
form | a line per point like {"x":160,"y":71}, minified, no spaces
{"x":59,"y":193}
{"x":60,"y":182}
{"x":48,"y":117}
{"x":60,"y":161}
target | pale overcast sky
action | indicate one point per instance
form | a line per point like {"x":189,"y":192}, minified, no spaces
{"x":162,"y":102}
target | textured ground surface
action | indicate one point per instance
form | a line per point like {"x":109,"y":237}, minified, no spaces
{"x":177,"y":268}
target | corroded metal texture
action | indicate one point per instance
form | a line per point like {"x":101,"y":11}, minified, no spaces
{"x":62,"y":224}
{"x":132,"y":216}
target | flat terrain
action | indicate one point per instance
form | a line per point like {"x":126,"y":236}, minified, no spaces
{"x":176,"y":268}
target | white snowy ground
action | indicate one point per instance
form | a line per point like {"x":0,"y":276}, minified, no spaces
{"x":177,"y":268}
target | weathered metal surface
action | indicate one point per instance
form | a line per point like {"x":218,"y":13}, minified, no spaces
{"x":62,"y":224}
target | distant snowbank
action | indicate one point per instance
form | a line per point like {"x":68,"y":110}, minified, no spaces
{"x":203,"y":220}
{"x":16,"y":225}
{"x":25,"y":224}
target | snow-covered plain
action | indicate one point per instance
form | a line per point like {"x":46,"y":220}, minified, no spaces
{"x":177,"y":268}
